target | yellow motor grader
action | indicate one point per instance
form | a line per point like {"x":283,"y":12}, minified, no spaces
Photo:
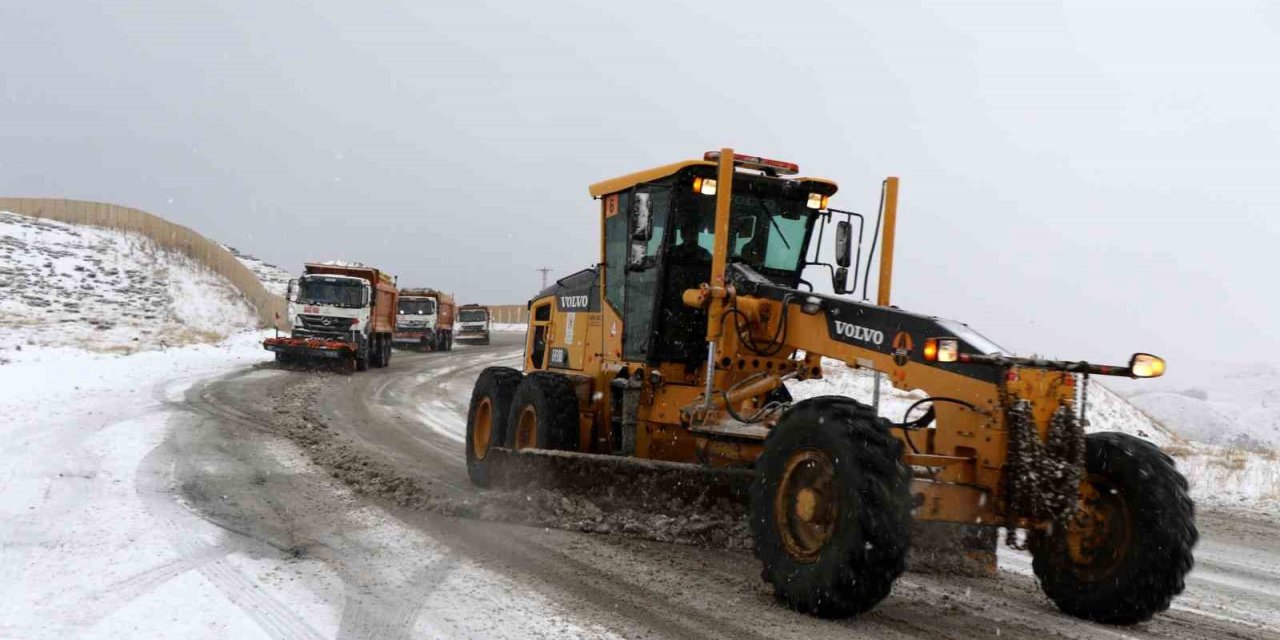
{"x":680,"y":346}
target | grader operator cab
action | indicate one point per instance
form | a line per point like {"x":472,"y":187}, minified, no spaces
{"x":677,"y":346}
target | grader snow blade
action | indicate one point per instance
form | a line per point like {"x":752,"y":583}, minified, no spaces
{"x":682,"y":348}
{"x":615,"y":484}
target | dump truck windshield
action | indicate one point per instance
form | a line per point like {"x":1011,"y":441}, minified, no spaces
{"x":473,"y":315}
{"x":334,"y":292}
{"x":424,"y":307}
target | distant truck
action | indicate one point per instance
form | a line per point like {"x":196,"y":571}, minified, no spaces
{"x":425,"y":320}
{"x":339,"y":311}
{"x":473,"y":323}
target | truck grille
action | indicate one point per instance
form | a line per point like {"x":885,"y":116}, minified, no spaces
{"x":323,"y":325}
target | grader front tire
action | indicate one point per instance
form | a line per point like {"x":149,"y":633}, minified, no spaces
{"x":830,"y":508}
{"x":487,"y":419}
{"x":544,"y":413}
{"x":1126,"y":554}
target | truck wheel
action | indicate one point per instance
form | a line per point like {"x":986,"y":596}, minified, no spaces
{"x":386,"y":351}
{"x":544,"y":413}
{"x":487,"y":419}
{"x":375,"y":352}
{"x":831,"y":508}
{"x":1123,"y":557}
{"x":448,"y":342}
{"x":362,"y":358}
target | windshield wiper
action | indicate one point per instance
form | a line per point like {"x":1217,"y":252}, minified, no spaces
{"x":781,"y":236}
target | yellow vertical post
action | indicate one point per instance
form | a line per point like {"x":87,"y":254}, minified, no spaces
{"x":720,"y":244}
{"x":886,"y":252}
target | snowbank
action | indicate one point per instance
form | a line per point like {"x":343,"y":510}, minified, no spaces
{"x":106,"y":291}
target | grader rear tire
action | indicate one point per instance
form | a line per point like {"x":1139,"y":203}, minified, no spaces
{"x":831,"y":508}
{"x":1125,"y":555}
{"x":544,"y":413}
{"x":487,"y":419}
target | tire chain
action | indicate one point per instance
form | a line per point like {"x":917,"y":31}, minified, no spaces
{"x":1042,"y":479}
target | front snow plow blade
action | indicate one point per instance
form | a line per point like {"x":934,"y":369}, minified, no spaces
{"x":656,"y":487}
{"x":623,"y":482}
{"x":309,"y":348}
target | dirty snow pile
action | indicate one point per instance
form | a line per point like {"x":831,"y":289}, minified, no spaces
{"x":275,"y":279}
{"x":103,"y":290}
{"x":1218,"y":475}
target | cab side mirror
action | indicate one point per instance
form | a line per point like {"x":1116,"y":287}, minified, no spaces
{"x":289,"y":292}
{"x":642,"y":218}
{"x":641,"y":232}
{"x":840,"y":280}
{"x":844,"y":242}
{"x":367,"y":298}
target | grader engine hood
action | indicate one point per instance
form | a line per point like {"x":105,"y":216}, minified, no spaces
{"x":899,"y":334}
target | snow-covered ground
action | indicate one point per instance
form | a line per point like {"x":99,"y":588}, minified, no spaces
{"x":97,"y":542}
{"x":107,"y":291}
{"x":1218,"y":475}
{"x":274,"y":279}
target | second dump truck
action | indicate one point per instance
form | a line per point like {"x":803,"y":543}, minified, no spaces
{"x":339,"y":311}
{"x":425,"y":320}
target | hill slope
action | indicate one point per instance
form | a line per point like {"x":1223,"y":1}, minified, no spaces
{"x":103,"y":290}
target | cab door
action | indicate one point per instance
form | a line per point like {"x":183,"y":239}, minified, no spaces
{"x":634,"y":236}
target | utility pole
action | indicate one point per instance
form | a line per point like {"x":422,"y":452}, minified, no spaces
{"x":545,"y":271}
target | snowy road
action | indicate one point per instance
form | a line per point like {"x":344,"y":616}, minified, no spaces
{"x":266,"y":528}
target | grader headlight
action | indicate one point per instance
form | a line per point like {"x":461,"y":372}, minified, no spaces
{"x":1145,"y":365}
{"x":942,"y":349}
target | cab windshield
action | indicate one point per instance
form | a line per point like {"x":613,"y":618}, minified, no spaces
{"x":333,"y":292}
{"x":473,"y":315}
{"x":417,"y":307}
{"x":767,"y":233}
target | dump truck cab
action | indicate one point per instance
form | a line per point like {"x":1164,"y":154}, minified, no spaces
{"x":424,"y":319}
{"x":474,"y":324}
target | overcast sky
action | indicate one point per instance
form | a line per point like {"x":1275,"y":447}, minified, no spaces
{"x":1082,"y":180}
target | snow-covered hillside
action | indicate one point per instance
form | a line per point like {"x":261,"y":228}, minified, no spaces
{"x":103,"y":290}
{"x":1218,"y":475}
{"x":275,"y":279}
{"x":1235,"y":406}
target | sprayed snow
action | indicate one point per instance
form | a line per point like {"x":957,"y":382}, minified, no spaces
{"x":513,"y":327}
{"x":107,"y":291}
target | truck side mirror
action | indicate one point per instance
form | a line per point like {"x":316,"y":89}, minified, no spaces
{"x":367,"y":298}
{"x":642,"y":218}
{"x":840,"y":280}
{"x":844,"y":242}
{"x":288,"y":293}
